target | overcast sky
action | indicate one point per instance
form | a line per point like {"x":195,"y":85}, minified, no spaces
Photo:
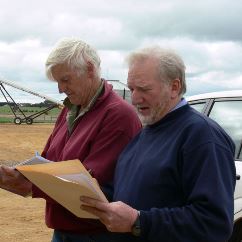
{"x":207,"y":34}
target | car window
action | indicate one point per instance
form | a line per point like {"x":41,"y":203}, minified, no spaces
{"x":240,"y":152}
{"x":198,"y":106}
{"x":229,"y":115}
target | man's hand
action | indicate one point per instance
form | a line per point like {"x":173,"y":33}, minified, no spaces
{"x":116,"y":216}
{"x":13,"y":181}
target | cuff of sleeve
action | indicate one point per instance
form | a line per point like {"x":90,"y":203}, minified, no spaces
{"x":144,"y":223}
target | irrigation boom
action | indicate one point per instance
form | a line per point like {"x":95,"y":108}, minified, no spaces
{"x":12,"y":84}
{"x":15,"y":107}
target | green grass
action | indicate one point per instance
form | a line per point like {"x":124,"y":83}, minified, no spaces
{"x":6,"y":120}
{"x":7,"y":110}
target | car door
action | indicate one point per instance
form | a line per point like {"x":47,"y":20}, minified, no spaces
{"x":228,"y":113}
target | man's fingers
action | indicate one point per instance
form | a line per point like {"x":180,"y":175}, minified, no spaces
{"x":103,"y":206}
{"x":103,"y":216}
{"x":9,"y":171}
{"x":94,"y":211}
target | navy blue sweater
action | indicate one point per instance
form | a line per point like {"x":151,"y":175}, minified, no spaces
{"x":180,"y":173}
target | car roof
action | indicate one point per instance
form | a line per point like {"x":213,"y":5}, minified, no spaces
{"x":221,"y":94}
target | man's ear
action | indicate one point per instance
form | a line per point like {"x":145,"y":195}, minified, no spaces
{"x":90,"y":70}
{"x":175,"y":88}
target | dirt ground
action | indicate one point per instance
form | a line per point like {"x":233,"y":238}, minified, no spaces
{"x":22,"y":219}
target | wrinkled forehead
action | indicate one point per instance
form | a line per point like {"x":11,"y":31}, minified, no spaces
{"x":144,"y":69}
{"x":60,"y":70}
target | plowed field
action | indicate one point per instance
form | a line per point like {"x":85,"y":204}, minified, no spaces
{"x":22,"y":219}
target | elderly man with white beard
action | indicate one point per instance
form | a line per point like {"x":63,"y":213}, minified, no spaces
{"x":175,"y":180}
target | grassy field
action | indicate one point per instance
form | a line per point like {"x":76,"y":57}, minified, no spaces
{"x":6,"y":120}
{"x":7,"y":115}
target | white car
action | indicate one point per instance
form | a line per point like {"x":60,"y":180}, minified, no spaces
{"x":226,"y":109}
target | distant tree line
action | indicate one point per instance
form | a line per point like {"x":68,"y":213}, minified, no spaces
{"x":43,"y":104}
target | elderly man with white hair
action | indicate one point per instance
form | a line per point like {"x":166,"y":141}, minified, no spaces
{"x":94,"y":127}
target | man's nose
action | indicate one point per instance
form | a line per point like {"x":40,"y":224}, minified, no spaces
{"x":136,"y":98}
{"x":61,"y":87}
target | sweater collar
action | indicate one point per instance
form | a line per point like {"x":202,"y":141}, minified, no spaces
{"x":168,"y":117}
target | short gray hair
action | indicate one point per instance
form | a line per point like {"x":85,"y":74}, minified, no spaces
{"x":75,"y":53}
{"x":171,"y":65}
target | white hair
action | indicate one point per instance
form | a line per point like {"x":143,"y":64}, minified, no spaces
{"x":171,"y":65}
{"x":76,"y":54}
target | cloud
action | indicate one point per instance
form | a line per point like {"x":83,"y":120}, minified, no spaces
{"x":205,"y":33}
{"x":22,"y":60}
{"x":125,"y":23}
